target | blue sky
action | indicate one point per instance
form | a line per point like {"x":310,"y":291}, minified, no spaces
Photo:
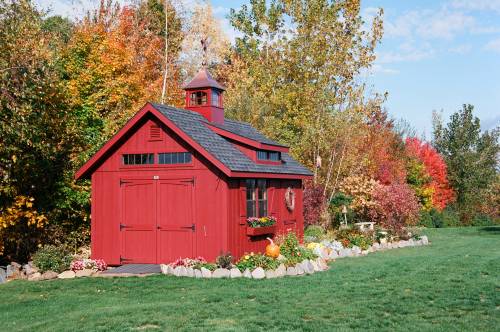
{"x":435,"y":55}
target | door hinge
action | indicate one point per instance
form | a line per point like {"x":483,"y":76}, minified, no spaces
{"x":124,"y":259}
{"x":193,"y":227}
{"x":123,"y":182}
{"x":188,"y":181}
{"x":122,"y":226}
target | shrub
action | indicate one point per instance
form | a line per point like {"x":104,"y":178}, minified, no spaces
{"x":353,"y":237}
{"x":314,"y":233}
{"x":291,"y":249}
{"x":314,"y":202}
{"x":224,"y":261}
{"x":439,"y":219}
{"x":52,"y":258}
{"x":252,"y":261}
{"x":396,"y":206}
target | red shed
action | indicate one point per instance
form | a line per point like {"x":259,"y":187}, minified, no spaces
{"x":182,"y":182}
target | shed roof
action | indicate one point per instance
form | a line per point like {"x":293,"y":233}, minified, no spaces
{"x":196,"y":131}
{"x":193,"y":124}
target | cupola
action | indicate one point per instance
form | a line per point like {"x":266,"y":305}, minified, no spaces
{"x":204,"y":95}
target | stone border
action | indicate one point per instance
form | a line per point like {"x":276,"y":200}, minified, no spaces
{"x":304,"y":268}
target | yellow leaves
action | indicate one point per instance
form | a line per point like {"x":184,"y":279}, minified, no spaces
{"x":22,"y":210}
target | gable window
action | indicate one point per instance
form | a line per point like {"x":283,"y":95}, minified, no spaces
{"x":214,"y":99}
{"x":268,"y":155}
{"x":174,"y":158}
{"x":138,"y":159}
{"x":256,"y":198}
{"x":198,"y":98}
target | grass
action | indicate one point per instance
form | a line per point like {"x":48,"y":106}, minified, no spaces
{"x":451,"y":285}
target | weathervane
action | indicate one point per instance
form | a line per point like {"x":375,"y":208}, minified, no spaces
{"x":204,"y":47}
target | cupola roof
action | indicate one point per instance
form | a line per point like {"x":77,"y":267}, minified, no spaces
{"x":203,"y":79}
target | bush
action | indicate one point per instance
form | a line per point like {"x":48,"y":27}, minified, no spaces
{"x":224,"y":261}
{"x":314,"y":233}
{"x":314,"y":202}
{"x":291,"y":249}
{"x":252,"y":261}
{"x":439,"y":219}
{"x":353,"y":237}
{"x":52,"y":258}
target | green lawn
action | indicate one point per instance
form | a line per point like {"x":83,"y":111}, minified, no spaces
{"x":453,"y":284}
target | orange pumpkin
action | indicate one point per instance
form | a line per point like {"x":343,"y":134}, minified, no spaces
{"x":272,"y":249}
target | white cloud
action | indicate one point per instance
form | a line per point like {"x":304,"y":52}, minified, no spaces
{"x":461,"y":49}
{"x":379,"y":69}
{"x":493,"y":45}
{"x":477,"y":5}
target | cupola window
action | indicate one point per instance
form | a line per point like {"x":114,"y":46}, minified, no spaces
{"x":215,"y":99}
{"x":198,"y":98}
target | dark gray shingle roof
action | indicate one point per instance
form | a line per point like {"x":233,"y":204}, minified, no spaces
{"x":246,"y":130}
{"x":193,"y":124}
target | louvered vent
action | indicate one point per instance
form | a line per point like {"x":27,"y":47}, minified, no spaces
{"x":154,"y":133}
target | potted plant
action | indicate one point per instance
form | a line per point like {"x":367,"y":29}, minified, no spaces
{"x":260,"y":226}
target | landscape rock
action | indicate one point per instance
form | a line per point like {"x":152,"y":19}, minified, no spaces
{"x":364,"y":252}
{"x":291,"y":271}
{"x":307,"y":267}
{"x":299,"y":269}
{"x":190,"y":272}
{"x":425,"y":240}
{"x":220,"y":273}
{"x":48,"y":275}
{"x":356,"y":250}
{"x":206,"y":273}
{"x":197,"y":273}
{"x":235,"y":273}
{"x":29,"y":269}
{"x":346,"y":252}
{"x":3,"y":276}
{"x":247,"y":274}
{"x":37,"y":276}
{"x":281,"y":270}
{"x":333,"y":254}
{"x":84,"y":273}
{"x":66,"y":275}
{"x":322,"y":264}
{"x":315,"y":266}
{"x":376,"y":246}
{"x":164,"y":268}
{"x":270,"y":274}
{"x":180,"y":271}
{"x":258,"y":273}
{"x":411,"y":242}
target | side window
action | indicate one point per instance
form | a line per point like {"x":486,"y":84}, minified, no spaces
{"x":138,"y":159}
{"x":198,"y":98}
{"x":256,"y":198}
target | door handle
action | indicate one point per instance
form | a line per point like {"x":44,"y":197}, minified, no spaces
{"x":192,"y":227}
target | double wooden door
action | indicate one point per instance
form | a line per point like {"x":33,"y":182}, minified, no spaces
{"x":157,"y":222}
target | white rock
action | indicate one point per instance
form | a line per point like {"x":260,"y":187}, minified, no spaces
{"x":197,"y":273}
{"x":299,"y":269}
{"x":190,"y":272}
{"x":180,"y":271}
{"x":247,"y":274}
{"x":425,"y":240}
{"x":258,"y":273}
{"x":346,"y":252}
{"x":84,"y":273}
{"x":315,"y":266}
{"x":375,"y":246}
{"x":206,"y":273}
{"x":270,"y":274}
{"x":281,"y":270}
{"x":66,"y":275}
{"x":356,"y":250}
{"x":333,"y":255}
{"x":235,"y":273}
{"x":164,"y":268}
{"x":291,"y":271}
{"x":322,"y":264}
{"x":307,"y":266}
{"x":411,"y":242}
{"x":220,"y":273}
{"x":364,"y":252}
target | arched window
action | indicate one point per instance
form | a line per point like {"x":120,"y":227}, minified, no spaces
{"x":198,"y":98}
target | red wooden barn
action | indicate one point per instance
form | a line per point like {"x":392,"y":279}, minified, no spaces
{"x":181,"y":183}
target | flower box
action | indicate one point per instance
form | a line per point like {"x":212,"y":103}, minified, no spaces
{"x":256,"y":231}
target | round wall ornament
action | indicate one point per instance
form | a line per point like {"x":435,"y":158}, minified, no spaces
{"x":290,"y":199}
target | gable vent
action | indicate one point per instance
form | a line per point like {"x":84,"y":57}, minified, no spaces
{"x":154,"y":133}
